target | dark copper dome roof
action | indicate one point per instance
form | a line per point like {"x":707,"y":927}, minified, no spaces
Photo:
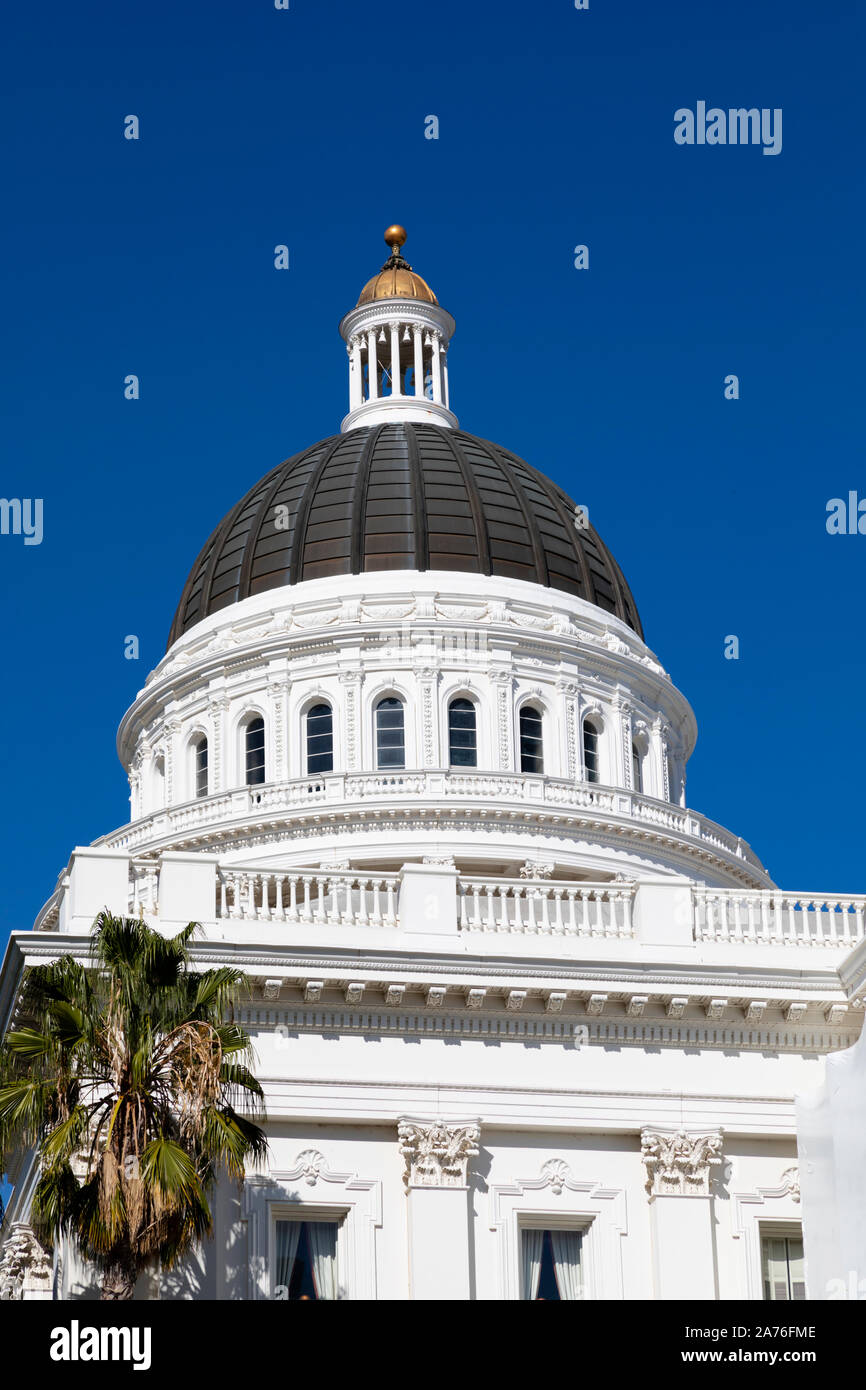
{"x":401,"y":497}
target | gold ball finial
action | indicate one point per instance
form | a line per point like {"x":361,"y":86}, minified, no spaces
{"x":395,"y":236}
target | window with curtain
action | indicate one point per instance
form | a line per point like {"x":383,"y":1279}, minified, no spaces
{"x":306,"y":1260}
{"x":784,"y":1274}
{"x":201,"y":767}
{"x":320,"y":739}
{"x":590,"y":750}
{"x":462,"y":734}
{"x":390,"y":734}
{"x":636,"y":769}
{"x":552,"y":1265}
{"x":254,"y":739}
{"x":531,"y":742}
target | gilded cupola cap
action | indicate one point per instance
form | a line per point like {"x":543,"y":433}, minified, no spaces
{"x":396,"y":279}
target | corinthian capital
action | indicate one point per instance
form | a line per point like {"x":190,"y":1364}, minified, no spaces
{"x":436,"y":1154}
{"x":678,"y":1164}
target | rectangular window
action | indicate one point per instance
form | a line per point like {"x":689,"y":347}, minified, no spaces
{"x":552,"y":1265}
{"x":783,"y":1268}
{"x":306,"y":1260}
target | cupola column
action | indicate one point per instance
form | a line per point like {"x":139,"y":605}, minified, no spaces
{"x":444,"y":360}
{"x":356,"y":375}
{"x":419,"y":360}
{"x":396,"y":389}
{"x":437,"y":369}
{"x":372,"y":371}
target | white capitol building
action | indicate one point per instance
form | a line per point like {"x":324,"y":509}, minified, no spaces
{"x":528,"y":1026}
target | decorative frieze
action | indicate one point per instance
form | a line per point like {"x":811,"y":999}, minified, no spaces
{"x":435,"y":1153}
{"x":679,"y":1164}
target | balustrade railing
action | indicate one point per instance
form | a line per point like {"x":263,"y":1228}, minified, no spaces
{"x":341,"y":788}
{"x":545,"y":907}
{"x":773,"y":917}
{"x":321,"y":899}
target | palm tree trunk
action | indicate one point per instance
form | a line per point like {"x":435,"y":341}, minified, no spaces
{"x":119,"y":1281}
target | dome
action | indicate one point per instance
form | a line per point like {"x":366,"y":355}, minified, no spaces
{"x":401,"y":496}
{"x":396,"y":279}
{"x":396,"y":282}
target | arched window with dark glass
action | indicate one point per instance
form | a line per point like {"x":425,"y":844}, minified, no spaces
{"x":531,"y":740}
{"x":200,"y":752}
{"x":590,"y":750}
{"x":462,"y":734}
{"x":390,"y":733}
{"x":254,"y":742}
{"x":636,"y":769}
{"x":320,"y":739}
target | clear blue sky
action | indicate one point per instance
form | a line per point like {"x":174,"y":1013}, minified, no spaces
{"x":306,"y":127}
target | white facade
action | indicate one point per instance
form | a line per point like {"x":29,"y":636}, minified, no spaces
{"x":487,"y":1001}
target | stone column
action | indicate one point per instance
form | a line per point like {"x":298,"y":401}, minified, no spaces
{"x":276,"y":699}
{"x":679,"y":1169}
{"x":419,"y":361}
{"x":436,"y":1155}
{"x":503,"y":682}
{"x":351,"y":683}
{"x":217,"y":771}
{"x":445,"y":379}
{"x":427,"y":678}
{"x":437,"y":369}
{"x":568,"y":690}
{"x":356,"y":375}
{"x":175,"y":789}
{"x":372,"y":376}
{"x":396,"y":388}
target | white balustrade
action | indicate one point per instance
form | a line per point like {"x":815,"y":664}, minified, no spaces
{"x":346,"y":789}
{"x":305,"y":896}
{"x":545,"y":907}
{"x":776,"y":918}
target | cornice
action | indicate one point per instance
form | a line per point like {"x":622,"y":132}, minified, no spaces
{"x":322,"y":819}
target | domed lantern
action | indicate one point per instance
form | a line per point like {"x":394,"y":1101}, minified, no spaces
{"x":397,"y":339}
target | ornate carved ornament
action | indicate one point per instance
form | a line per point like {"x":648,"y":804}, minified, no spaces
{"x":25,"y":1268}
{"x":680,"y":1164}
{"x":436,"y":1154}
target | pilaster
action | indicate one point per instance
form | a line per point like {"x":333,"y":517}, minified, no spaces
{"x":436,"y":1156}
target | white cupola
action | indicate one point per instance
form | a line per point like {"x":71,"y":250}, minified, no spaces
{"x":397,"y":338}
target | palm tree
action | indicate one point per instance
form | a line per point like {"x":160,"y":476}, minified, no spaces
{"x":124,"y":1075}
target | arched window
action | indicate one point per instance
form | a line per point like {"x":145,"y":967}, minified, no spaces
{"x":590,"y":750}
{"x":200,"y":759}
{"x":158,"y":781}
{"x":462,"y":735}
{"x":636,"y":769}
{"x":254,"y":743}
{"x":390,"y":734}
{"x":320,"y":739}
{"x":531,"y":741}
